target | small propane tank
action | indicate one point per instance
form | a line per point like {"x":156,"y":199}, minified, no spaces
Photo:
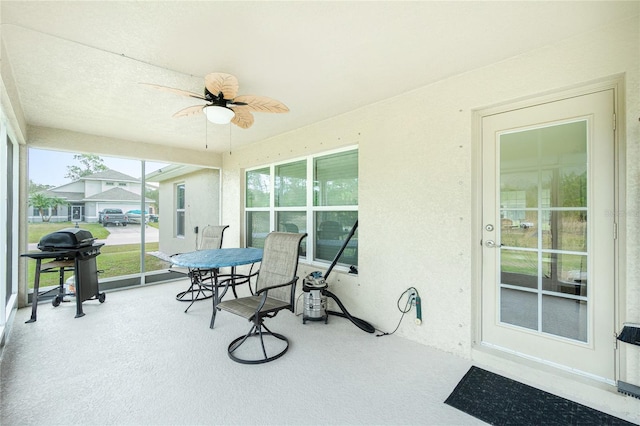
{"x":315,"y":300}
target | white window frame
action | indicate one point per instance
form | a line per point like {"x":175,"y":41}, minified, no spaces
{"x":180,"y":210}
{"x":9,"y":221}
{"x":310,"y":209}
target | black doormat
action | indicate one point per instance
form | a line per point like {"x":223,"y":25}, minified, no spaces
{"x":498,"y":400}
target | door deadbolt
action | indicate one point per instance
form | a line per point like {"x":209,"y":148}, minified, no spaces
{"x":489,"y":227}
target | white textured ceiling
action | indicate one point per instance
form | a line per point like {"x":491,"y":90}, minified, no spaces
{"x":77,"y":64}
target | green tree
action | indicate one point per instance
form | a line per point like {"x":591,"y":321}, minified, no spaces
{"x":89,"y":164}
{"x":43,"y":202}
{"x":153,"y":193}
{"x":38,"y":187}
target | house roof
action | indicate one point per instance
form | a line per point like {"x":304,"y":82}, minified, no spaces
{"x":68,"y":196}
{"x":320,"y":58}
{"x":110,"y":175}
{"x":112,"y":195}
{"x":107,"y":175}
{"x":117,"y":194}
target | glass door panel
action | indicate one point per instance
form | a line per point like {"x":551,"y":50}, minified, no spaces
{"x":537,"y":245}
{"x":548,"y":248}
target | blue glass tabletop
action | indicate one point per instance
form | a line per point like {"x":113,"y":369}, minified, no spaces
{"x":218,"y":258}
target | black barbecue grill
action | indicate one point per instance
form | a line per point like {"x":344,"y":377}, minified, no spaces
{"x":69,"y":249}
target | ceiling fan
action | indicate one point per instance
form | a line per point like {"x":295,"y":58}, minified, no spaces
{"x":223,"y":105}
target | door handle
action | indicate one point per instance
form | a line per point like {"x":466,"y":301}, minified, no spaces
{"x":491,"y":244}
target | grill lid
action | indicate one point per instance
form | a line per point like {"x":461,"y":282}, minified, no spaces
{"x":68,"y":238}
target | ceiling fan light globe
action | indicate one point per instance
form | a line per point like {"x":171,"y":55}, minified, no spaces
{"x":218,"y":114}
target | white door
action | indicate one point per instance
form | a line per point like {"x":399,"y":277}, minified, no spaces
{"x":548,"y":233}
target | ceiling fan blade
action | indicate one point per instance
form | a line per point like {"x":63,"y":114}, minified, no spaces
{"x":177,"y":91}
{"x":192,"y":110}
{"x":243,"y":118}
{"x":217,"y":82}
{"x":261,"y":103}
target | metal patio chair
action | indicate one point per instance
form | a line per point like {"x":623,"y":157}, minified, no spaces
{"x":275,"y":290}
{"x":201,"y":286}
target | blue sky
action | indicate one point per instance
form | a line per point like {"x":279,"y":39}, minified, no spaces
{"x":50,"y":167}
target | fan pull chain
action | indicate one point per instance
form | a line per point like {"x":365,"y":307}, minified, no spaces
{"x":206,"y":134}
{"x":229,"y":138}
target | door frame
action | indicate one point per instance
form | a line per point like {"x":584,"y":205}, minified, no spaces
{"x":615,"y":83}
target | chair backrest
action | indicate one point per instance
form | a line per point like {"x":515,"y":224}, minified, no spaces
{"x":212,"y":237}
{"x":280,"y":264}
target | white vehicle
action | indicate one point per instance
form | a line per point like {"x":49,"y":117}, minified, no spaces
{"x":135,"y":216}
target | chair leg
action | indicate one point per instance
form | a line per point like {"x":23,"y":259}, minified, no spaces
{"x":198,"y":291}
{"x":259,"y":331}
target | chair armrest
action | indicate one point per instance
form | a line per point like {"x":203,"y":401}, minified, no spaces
{"x":265,"y":293}
{"x":293,"y":281}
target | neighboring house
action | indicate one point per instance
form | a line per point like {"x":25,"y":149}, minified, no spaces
{"x":190,"y":199}
{"x":87,"y":196}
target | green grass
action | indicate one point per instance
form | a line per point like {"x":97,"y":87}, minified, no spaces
{"x":572,"y":237}
{"x":114,"y":260}
{"x":125,"y":259}
{"x":39,"y":230}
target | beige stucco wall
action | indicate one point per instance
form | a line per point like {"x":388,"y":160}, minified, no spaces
{"x":418,"y":211}
{"x":202,"y":198}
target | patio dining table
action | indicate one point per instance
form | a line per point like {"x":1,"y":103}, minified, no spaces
{"x":213,"y":260}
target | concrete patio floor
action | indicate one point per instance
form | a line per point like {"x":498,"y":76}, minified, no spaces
{"x":139,"y":359}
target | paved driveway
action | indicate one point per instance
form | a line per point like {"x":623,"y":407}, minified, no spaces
{"x":130,"y":234}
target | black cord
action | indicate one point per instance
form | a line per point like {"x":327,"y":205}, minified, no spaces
{"x":362,"y":324}
{"x":407,"y":308}
{"x":411,"y":293}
